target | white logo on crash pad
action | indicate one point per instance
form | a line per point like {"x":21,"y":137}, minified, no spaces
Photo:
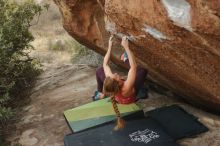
{"x":143,"y":136}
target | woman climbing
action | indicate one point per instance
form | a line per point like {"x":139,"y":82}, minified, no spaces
{"x":114,"y":86}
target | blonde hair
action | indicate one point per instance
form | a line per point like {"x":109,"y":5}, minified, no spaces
{"x":111,"y":88}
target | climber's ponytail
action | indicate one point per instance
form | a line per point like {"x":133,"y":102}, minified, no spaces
{"x":120,"y":122}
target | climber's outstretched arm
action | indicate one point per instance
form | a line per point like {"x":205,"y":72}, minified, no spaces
{"x":107,"y":69}
{"x":129,"y":83}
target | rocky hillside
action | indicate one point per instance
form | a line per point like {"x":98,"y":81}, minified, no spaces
{"x":64,"y":85}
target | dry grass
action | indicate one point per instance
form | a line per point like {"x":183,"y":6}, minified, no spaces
{"x":53,"y":44}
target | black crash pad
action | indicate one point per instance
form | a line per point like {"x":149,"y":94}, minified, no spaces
{"x":177,"y":122}
{"x":141,"y":132}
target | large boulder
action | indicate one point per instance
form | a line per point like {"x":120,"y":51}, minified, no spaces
{"x":178,"y":41}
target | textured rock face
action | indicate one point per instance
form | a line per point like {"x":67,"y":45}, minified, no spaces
{"x":178,"y":41}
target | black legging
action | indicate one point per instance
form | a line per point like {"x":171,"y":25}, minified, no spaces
{"x":139,"y":80}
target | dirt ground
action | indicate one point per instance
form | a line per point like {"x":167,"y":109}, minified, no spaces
{"x":62,"y":87}
{"x":58,"y":88}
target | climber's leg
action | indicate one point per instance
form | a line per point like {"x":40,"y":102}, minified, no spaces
{"x":100,"y":77}
{"x":141,"y":75}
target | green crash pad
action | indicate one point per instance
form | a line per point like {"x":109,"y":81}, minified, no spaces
{"x":96,"y":113}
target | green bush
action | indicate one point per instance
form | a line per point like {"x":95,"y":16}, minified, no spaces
{"x":17,"y":68}
{"x":79,"y":51}
{"x":61,"y":45}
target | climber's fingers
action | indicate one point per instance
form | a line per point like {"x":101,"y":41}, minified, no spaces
{"x":111,"y":37}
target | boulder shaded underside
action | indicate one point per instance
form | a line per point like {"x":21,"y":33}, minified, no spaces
{"x":176,"y":40}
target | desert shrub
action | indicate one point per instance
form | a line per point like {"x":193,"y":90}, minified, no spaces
{"x":79,"y":51}
{"x":17,"y":68}
{"x":65,"y":44}
{"x":69,"y":45}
